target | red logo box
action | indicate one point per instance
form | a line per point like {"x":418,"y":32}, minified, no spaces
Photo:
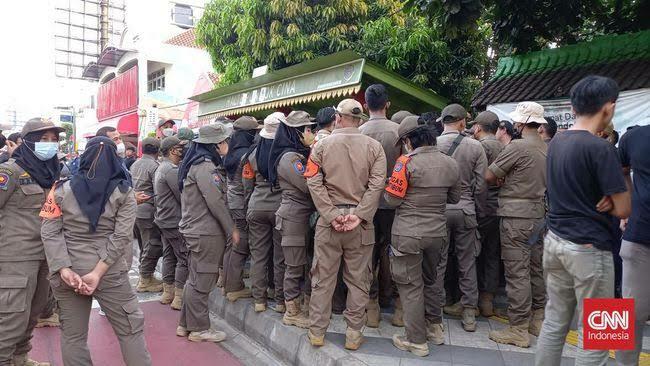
{"x":608,"y":324}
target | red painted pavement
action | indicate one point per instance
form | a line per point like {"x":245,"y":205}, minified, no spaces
{"x":165,"y":347}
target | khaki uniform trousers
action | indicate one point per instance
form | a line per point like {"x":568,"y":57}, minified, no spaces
{"x":206,"y":252}
{"x":174,"y":257}
{"x":294,"y":249}
{"x":355,"y":247}
{"x":265,"y":245}
{"x":152,"y":248}
{"x":463,"y":236}
{"x":23,"y":297}
{"x":489,"y":260}
{"x":117,"y":299}
{"x":235,"y":257}
{"x":415,"y":277}
{"x":522,"y":265}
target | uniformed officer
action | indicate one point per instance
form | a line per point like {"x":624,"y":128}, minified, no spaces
{"x":399,"y":116}
{"x":346,"y":174}
{"x":167,"y":217}
{"x":288,"y":158}
{"x":142,"y":172}
{"x":245,"y":131}
{"x":422,"y":182}
{"x":325,"y":122}
{"x":206,"y":225}
{"x":380,"y":128}
{"x":24,"y":183}
{"x":87,"y":224}
{"x":264,"y":239}
{"x":522,"y":167}
{"x":489,"y":261}
{"x":461,"y":217}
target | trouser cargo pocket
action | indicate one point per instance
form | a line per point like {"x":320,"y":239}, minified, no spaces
{"x":13,"y":294}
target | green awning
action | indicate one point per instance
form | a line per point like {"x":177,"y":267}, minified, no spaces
{"x":314,"y":84}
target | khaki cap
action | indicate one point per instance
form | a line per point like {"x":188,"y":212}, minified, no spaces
{"x":152,"y":141}
{"x":213,"y":134}
{"x":246,"y":123}
{"x":271,"y":123}
{"x":171,"y":141}
{"x":487,"y":118}
{"x":351,"y":108}
{"x":528,"y":112}
{"x":39,"y":124}
{"x":409,"y":124}
{"x":453,"y":113}
{"x":299,"y":118}
{"x":399,"y":116}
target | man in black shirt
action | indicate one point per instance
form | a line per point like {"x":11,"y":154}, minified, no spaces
{"x":584,"y":189}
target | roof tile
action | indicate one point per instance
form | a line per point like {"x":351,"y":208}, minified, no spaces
{"x":185,"y":39}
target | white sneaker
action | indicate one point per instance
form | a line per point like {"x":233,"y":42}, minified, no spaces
{"x":101,"y":312}
{"x":209,"y":335}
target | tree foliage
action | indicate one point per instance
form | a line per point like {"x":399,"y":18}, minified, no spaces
{"x":521,"y":26}
{"x":243,"y":34}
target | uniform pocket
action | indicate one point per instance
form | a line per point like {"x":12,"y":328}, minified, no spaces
{"x":399,"y":270}
{"x":33,"y":196}
{"x":13,"y":294}
{"x":134,"y":315}
{"x":367,"y":234}
{"x":406,"y":244}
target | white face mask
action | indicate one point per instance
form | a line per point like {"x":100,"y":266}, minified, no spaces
{"x":121,"y":150}
{"x":46,"y":150}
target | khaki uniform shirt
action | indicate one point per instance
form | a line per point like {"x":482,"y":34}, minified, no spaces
{"x":522,"y":165}
{"x":347,"y":168}
{"x":21,"y":199}
{"x":384,"y":131}
{"x":321,"y":134}
{"x":237,"y":199}
{"x":142,"y":172}
{"x":203,"y":202}
{"x":472,"y":164}
{"x":263,"y":196}
{"x":168,"y":196}
{"x":492,"y":148}
{"x":296,"y":204}
{"x":68,"y":241}
{"x":432,"y":183}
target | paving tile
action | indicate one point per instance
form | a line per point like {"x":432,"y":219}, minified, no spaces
{"x":476,"y":356}
{"x":373,"y":360}
{"x":517,"y":358}
{"x":285,"y":340}
{"x":325,"y":356}
{"x":478,"y":339}
{"x":350,"y":361}
{"x":421,"y":362}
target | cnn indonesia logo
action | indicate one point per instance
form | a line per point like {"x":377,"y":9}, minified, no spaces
{"x":608,"y":324}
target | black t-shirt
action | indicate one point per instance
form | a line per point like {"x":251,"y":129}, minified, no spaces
{"x":634,"y":149}
{"x":582,"y":168}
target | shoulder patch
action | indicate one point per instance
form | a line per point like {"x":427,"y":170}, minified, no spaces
{"x":216,"y":179}
{"x":247,"y":171}
{"x":398,"y":182}
{"x":6,"y":171}
{"x":51,"y":209}
{"x":4,"y":180}
{"x":299,"y":167}
{"x":312,"y":169}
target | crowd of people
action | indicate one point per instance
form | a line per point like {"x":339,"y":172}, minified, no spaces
{"x":345,"y":212}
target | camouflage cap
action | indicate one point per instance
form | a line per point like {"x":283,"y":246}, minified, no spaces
{"x":185,"y":133}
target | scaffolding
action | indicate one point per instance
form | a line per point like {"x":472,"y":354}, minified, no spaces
{"x":82,"y":29}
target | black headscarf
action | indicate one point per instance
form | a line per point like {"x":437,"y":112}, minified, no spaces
{"x":286,"y":139}
{"x":196,"y":154}
{"x":45,"y":173}
{"x":262,"y":156}
{"x":100,"y":172}
{"x":239,"y":144}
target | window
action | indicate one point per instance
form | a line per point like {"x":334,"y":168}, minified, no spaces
{"x":182,"y":15}
{"x":156,"y":80}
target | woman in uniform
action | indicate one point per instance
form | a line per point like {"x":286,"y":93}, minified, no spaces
{"x":242,"y":139}
{"x":264,"y":239}
{"x":422,"y":183}
{"x":288,"y":159}
{"x":206,"y":225}
{"x":25,"y":180}
{"x":87,"y":225}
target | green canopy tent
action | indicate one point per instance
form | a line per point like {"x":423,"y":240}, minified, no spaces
{"x":314,"y":84}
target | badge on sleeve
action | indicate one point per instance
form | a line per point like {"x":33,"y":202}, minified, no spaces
{"x":312,"y":168}
{"x":398,"y":182}
{"x":299,"y":167}
{"x":216,"y":179}
{"x":51,"y":209}
{"x":247,"y":172}
{"x":4,"y":181}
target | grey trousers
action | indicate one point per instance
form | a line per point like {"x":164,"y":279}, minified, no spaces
{"x":23,"y":297}
{"x":235,"y":257}
{"x":636,"y":271}
{"x":152,"y":248}
{"x":174,"y":257}
{"x":415,"y":276}
{"x":572,"y":272}
{"x":206,"y":253}
{"x":265,"y":243}
{"x":294,"y":249}
{"x":119,"y":302}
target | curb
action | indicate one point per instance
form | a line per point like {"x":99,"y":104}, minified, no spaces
{"x":288,"y":343}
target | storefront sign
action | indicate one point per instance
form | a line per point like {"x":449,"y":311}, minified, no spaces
{"x":315,"y":82}
{"x":632,"y":108}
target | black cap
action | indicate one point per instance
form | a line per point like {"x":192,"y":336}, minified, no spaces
{"x":510,"y":130}
{"x":325,"y":116}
